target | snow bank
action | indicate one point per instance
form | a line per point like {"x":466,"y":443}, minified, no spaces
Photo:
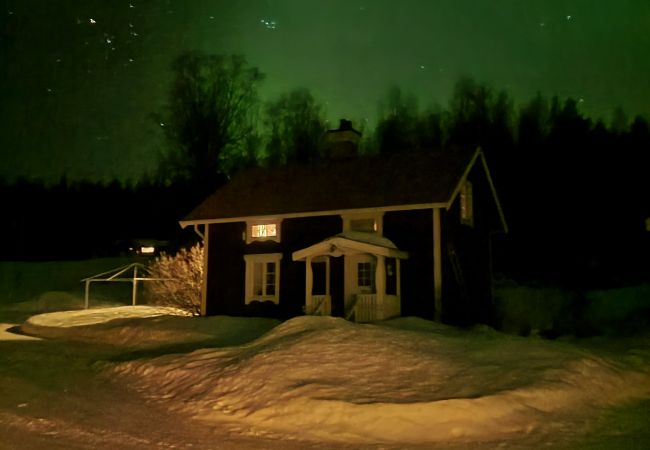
{"x":7,"y":333}
{"x":324,"y":378}
{"x":102,"y":315}
{"x":114,"y":321}
{"x":146,"y":327}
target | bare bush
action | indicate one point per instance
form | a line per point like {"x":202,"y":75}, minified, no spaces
{"x":180,"y":281}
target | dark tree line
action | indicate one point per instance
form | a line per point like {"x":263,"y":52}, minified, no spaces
{"x":79,"y":220}
{"x":573,"y":189}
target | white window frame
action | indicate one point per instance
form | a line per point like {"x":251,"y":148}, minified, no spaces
{"x":251,"y":223}
{"x":263,"y":259}
{"x":369,"y":275}
{"x":467,"y":204}
{"x":372,"y":262}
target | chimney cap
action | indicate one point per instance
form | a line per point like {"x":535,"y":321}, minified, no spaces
{"x":345,"y":125}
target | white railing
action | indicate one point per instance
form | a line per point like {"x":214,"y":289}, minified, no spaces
{"x":366,"y":308}
{"x":351,"y":310}
{"x":370,"y":308}
{"x":319,"y":305}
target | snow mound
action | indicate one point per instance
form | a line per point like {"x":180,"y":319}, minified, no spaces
{"x":115,"y":325}
{"x":7,"y":333}
{"x":324,"y":378}
{"x":146,"y":327}
{"x":101,"y":315}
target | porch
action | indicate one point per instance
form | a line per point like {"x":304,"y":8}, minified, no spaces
{"x":371,"y":277}
{"x":363,"y":308}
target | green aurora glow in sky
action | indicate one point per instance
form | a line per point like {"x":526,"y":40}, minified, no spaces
{"x":80,"y":79}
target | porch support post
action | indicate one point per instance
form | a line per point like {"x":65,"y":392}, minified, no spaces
{"x":398,"y":275}
{"x":380,"y":279}
{"x":204,"y":279}
{"x":327,"y":275}
{"x":309,"y":281}
{"x":134,"y":294}
{"x":87,"y":294}
{"x":437,"y":266}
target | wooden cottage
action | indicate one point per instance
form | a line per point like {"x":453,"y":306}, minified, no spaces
{"x":364,"y":238}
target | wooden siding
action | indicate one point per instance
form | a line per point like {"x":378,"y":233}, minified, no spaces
{"x":411,"y":232}
{"x":226,"y":269}
{"x":466,"y":258}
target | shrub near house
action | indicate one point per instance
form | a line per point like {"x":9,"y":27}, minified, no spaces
{"x":180,"y":278}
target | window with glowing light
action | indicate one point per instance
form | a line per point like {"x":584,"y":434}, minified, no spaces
{"x":262,"y":230}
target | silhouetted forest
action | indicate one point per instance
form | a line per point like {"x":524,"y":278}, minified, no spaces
{"x":78,"y":220}
{"x":574,"y":189}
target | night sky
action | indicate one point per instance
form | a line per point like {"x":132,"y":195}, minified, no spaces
{"x":81,"y":79}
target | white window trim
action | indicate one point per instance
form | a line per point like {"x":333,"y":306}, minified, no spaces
{"x":264,"y":258}
{"x":249,"y":230}
{"x":377,"y":216}
{"x":467,"y":204}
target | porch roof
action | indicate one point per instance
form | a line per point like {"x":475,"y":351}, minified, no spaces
{"x":352,"y":242}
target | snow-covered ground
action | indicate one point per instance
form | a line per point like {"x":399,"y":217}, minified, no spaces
{"x":126,"y":380}
{"x":144,"y":377}
{"x":406,"y":381}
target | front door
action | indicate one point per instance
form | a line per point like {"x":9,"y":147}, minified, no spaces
{"x":363,"y":278}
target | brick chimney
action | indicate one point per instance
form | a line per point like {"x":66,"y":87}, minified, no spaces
{"x":342,"y":143}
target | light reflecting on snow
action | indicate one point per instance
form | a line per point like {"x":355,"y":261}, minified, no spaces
{"x":313,"y":382}
{"x":326,"y":379}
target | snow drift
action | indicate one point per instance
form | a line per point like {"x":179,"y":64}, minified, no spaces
{"x":412,"y":381}
{"x":145,"y":327}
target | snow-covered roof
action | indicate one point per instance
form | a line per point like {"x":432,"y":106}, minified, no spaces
{"x":352,"y":242}
{"x":367,"y":238}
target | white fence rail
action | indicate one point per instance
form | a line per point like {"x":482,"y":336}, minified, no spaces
{"x":367,"y":308}
{"x":319,"y":305}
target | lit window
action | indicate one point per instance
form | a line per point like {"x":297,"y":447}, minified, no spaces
{"x":263,"y":277}
{"x":262,"y":231}
{"x":466,"y":204}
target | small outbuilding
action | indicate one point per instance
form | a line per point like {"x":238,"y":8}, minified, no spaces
{"x":366,"y":238}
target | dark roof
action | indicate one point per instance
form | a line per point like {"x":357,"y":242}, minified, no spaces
{"x":365,"y":182}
